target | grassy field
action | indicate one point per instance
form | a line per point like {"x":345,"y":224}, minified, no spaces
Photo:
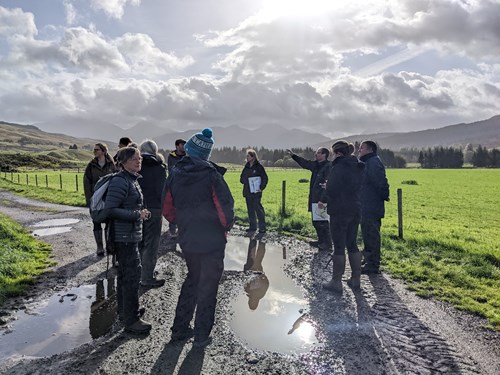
{"x":451,"y":246}
{"x":22,"y":258}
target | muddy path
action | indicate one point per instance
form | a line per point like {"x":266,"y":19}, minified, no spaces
{"x":384,"y":329}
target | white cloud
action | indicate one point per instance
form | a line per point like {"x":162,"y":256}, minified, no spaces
{"x":70,"y":12}
{"x":113,"y":8}
{"x":16,"y":22}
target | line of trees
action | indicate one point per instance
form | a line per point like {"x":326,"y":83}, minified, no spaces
{"x":441,"y":157}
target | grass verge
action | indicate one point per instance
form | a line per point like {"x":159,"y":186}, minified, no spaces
{"x":22,"y":258}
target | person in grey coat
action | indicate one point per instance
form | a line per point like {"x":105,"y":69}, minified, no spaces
{"x":154,"y":176}
{"x":124,"y":207}
{"x":374,"y":192}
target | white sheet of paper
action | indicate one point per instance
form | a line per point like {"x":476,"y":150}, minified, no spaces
{"x":319,"y":214}
{"x":254,"y":183}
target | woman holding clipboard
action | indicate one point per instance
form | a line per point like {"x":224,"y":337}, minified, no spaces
{"x":254,"y":180}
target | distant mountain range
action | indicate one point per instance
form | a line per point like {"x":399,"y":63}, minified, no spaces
{"x":485,"y":133}
{"x":84,"y":132}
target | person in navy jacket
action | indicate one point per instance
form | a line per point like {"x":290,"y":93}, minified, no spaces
{"x":200,"y":202}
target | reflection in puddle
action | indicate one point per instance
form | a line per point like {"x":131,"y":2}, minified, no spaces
{"x":50,"y":231}
{"x":62,"y":322}
{"x":55,"y":222}
{"x":270,"y":314}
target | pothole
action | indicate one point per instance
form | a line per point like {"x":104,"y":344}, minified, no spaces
{"x":271,"y":312}
{"x":55,"y":222}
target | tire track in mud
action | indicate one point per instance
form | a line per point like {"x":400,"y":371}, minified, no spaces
{"x":374,"y":331}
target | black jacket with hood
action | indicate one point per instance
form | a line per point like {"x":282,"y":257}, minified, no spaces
{"x":154,"y":176}
{"x":343,"y":186}
{"x":198,"y":199}
{"x":256,"y":170}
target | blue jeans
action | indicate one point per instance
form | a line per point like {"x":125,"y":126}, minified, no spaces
{"x":129,"y":276}
{"x":256,"y":211}
{"x":151,"y":231}
{"x":199,"y":291}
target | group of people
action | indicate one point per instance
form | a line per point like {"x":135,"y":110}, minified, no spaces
{"x":199,"y":206}
{"x":354,"y":191}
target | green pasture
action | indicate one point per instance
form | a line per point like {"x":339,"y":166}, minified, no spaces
{"x":451,"y":221}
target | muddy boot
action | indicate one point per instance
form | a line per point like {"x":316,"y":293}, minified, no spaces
{"x":355,"y":261}
{"x":98,"y":241}
{"x":335,"y":284}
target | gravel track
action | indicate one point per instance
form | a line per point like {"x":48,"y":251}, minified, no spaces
{"x":384,"y":329}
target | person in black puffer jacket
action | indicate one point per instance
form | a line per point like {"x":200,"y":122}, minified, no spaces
{"x":124,"y":206}
{"x":200,"y":202}
{"x":344,"y":207}
{"x":154,"y":176}
{"x":253,"y":199}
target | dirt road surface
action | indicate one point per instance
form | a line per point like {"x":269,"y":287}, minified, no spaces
{"x":385,"y":329}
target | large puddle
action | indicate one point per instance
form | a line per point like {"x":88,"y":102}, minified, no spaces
{"x":53,"y":226}
{"x":271,"y":312}
{"x":63,"y":322}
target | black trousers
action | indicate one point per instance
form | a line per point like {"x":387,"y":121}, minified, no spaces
{"x":199,"y":291}
{"x":256,"y":211}
{"x":129,"y":276}
{"x":344,"y":230}
{"x":370,"y":229}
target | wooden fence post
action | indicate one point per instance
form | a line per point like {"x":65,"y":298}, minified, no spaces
{"x":76,"y":179}
{"x":18,"y":178}
{"x":36,"y":180}
{"x":283,"y":198}
{"x":60,"y":181}
{"x":400,"y":213}
{"x":26,"y":179}
{"x":46,"y":181}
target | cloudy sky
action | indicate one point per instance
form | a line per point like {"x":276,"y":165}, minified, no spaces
{"x":336,"y":67}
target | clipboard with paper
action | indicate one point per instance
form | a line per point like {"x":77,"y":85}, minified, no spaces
{"x":254,"y":184}
{"x":319,"y":214}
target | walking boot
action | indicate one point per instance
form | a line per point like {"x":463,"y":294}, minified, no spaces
{"x":98,"y":241}
{"x":335,"y":284}
{"x":355,"y":261}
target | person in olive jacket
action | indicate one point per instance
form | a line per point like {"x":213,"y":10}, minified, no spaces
{"x":124,"y":206}
{"x":319,"y":168}
{"x":344,"y":207}
{"x":253,"y":195}
{"x":101,"y":165}
{"x":198,"y":199}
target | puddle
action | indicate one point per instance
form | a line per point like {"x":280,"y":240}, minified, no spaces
{"x":50,"y":231}
{"x":55,"y":222}
{"x":64,"y":321}
{"x":271,"y":312}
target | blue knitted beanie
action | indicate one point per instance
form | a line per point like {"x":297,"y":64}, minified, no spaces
{"x":200,"y":144}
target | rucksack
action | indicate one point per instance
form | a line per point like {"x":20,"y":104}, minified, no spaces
{"x":98,"y":199}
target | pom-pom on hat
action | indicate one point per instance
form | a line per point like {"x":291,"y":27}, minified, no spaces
{"x":200,"y":144}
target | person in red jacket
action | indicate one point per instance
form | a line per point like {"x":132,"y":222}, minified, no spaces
{"x":198,"y":199}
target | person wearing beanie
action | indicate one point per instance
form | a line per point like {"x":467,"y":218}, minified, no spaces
{"x":342,"y":195}
{"x":198,"y":199}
